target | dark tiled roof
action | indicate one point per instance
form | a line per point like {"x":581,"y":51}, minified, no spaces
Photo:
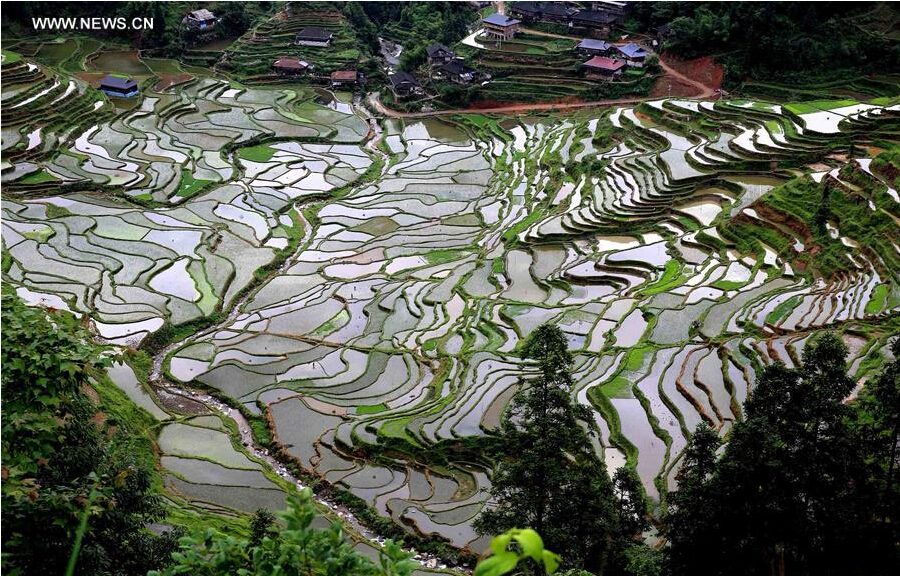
{"x":591,"y":44}
{"x":551,"y":8}
{"x":118,"y":82}
{"x":315,"y":33}
{"x":500,"y":20}
{"x":527,"y":7}
{"x":401,"y":78}
{"x":594,"y":17}
{"x":435,"y":48}
{"x":554,"y":9}
{"x":456,"y":67}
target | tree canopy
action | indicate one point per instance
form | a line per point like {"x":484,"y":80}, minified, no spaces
{"x":785,"y":41}
{"x":553,"y":480}
{"x":791,"y":492}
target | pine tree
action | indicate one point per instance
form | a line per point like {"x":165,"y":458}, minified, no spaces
{"x":791,"y":492}
{"x":553,"y":481}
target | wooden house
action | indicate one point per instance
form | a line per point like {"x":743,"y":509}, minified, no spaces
{"x":438,"y":55}
{"x":345,"y":78}
{"x":314,"y":36}
{"x":404,"y":84}
{"x":290,"y":66}
{"x":633,"y":54}
{"x":119,"y":86}
{"x":500,"y":27}
{"x":458,"y":73}
{"x":594,"y":47}
{"x":603,"y":67}
{"x":200,"y":20}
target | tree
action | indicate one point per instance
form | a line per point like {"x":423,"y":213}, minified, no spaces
{"x":234,"y":19}
{"x":59,"y":462}
{"x":554,"y":482}
{"x":877,"y":422}
{"x":685,"y":522}
{"x":261,"y":525}
{"x":366,"y":32}
{"x":790,"y":492}
{"x":413,"y":58}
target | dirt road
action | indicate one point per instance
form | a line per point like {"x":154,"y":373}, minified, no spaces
{"x":705,"y":92}
{"x":506,"y":109}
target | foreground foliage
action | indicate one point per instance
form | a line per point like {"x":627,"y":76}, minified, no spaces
{"x":60,"y":463}
{"x":296,"y":549}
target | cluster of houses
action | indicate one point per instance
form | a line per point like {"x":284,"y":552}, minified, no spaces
{"x":316,"y":37}
{"x":608,"y":61}
{"x":443,"y":64}
{"x":597,"y":21}
{"x":121,"y":86}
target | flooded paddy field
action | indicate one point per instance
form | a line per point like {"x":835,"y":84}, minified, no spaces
{"x":364,"y":285}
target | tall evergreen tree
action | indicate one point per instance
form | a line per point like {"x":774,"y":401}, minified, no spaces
{"x":877,"y":424}
{"x":790,"y":493}
{"x":553,"y":481}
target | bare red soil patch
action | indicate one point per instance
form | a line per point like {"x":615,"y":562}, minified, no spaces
{"x":169,"y":80}
{"x":703,"y":70}
{"x":671,"y":86}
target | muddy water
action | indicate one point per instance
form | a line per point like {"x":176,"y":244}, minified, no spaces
{"x":120,"y":61}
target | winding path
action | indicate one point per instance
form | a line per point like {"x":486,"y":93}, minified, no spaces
{"x":706,"y":92}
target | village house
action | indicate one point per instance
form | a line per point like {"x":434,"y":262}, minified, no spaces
{"x":119,"y":86}
{"x":345,"y":78}
{"x":633,"y":54}
{"x":290,"y":66}
{"x":404,"y":84}
{"x":593,"y":47}
{"x":200,"y":20}
{"x":438,"y":55}
{"x":556,"y":12}
{"x":500,"y":27}
{"x":614,"y":7}
{"x":603,"y":67}
{"x":314,"y":36}
{"x":457,"y":72}
{"x":662,"y":33}
{"x":595,"y":22}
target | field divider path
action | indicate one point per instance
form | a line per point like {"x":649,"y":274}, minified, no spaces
{"x":158,"y":380}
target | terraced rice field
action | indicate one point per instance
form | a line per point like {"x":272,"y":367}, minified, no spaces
{"x":368,"y":297}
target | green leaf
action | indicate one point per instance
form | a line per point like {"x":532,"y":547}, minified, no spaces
{"x":500,"y":543}
{"x":497,"y":565}
{"x":531,"y":542}
{"x":551,"y":561}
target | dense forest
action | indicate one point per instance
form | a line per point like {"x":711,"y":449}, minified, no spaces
{"x":779,"y":41}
